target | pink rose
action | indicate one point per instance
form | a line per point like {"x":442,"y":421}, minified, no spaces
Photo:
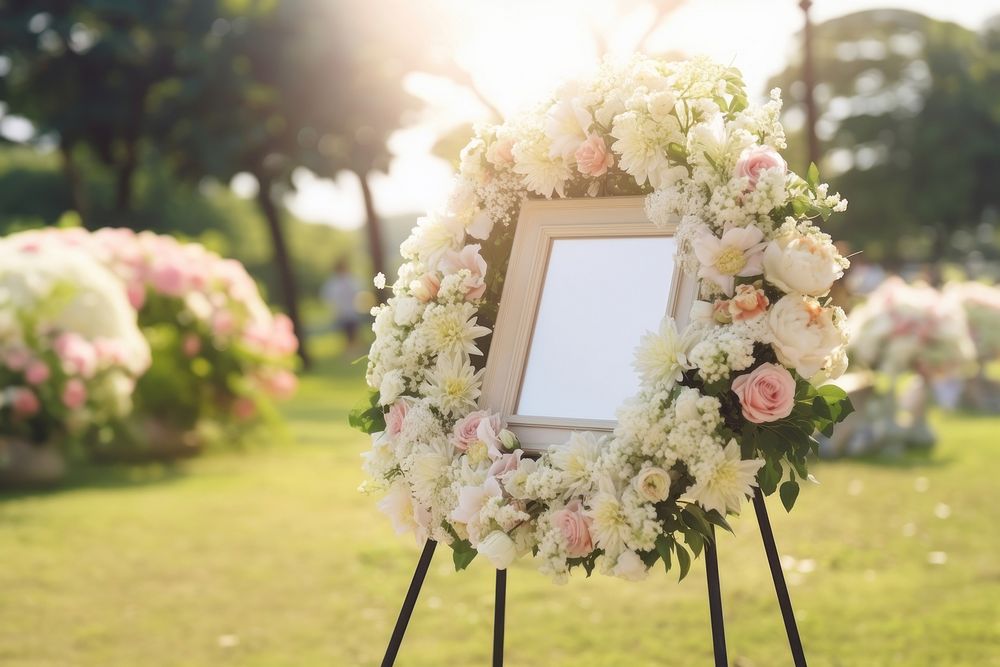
{"x":755,"y":160}
{"x":74,"y":394}
{"x":37,"y":372}
{"x":766,"y":394}
{"x":16,"y":358}
{"x":470,"y":259}
{"x":77,"y":354}
{"x":25,"y":403}
{"x":466,"y":430}
{"x":747,"y":303}
{"x":396,"y":416}
{"x":574,"y":526}
{"x":593,"y":157}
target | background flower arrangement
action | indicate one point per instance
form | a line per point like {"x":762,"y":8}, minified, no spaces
{"x":218,"y":354}
{"x":63,"y":370}
{"x":727,"y":404}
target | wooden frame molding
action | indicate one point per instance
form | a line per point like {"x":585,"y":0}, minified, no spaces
{"x":541,"y":222}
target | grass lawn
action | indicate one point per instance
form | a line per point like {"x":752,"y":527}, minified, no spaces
{"x":269,"y":557}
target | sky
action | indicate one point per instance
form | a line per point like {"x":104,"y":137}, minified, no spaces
{"x":517,"y":51}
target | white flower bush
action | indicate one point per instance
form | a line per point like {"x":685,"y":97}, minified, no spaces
{"x":724,"y":406}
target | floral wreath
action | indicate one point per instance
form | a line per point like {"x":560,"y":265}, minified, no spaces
{"x":730,"y":403}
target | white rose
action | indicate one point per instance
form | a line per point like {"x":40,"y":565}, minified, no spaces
{"x":630,"y":567}
{"x":661,"y":104}
{"x":391,"y":387}
{"x":498,"y":548}
{"x":802,"y":263}
{"x":652,"y":484}
{"x":804,"y":334}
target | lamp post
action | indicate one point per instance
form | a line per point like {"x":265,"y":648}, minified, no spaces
{"x":809,"y":81}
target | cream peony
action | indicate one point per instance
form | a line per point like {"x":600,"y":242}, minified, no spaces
{"x":804,"y":334}
{"x":804,"y":263}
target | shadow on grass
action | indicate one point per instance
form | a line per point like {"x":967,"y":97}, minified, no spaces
{"x":105,"y":477}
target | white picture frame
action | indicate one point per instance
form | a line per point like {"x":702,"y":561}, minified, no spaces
{"x":580,"y":277}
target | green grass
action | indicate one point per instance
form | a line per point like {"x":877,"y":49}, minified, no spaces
{"x":269,"y":557}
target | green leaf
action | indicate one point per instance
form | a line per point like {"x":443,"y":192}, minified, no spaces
{"x":717,"y":519}
{"x":462,"y":554}
{"x":663,"y":545}
{"x":694,"y":517}
{"x":769,"y":476}
{"x":789,"y":492}
{"x":695,"y":540}
{"x":683,"y":561}
{"x":812,"y":175}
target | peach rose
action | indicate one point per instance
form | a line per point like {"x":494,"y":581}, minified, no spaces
{"x":766,"y":394}
{"x":395,"y":417}
{"x":747,"y":303}
{"x":574,"y":526}
{"x":593,"y":157}
{"x":755,"y":160}
{"x":425,"y":287}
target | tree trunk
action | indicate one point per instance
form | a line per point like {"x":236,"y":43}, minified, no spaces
{"x":77,"y":188}
{"x":809,"y":81}
{"x":286,"y":276}
{"x":123,"y":183}
{"x":374,"y":228}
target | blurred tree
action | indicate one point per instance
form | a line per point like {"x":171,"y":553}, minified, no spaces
{"x":83,"y":72}
{"x":911,"y":129}
{"x":281,"y":86}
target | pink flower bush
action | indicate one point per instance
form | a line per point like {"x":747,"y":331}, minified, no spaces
{"x":766,"y":394}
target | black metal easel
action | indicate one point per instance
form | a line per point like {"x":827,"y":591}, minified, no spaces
{"x":714,"y":598}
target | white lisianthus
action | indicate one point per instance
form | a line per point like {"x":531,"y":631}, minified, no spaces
{"x":566,"y":126}
{"x":630,"y":567}
{"x":726,"y":482}
{"x":738,"y":253}
{"x":660,"y":359}
{"x":803,"y":262}
{"x":499,"y":549}
{"x":481,"y":226}
{"x":453,"y":385}
{"x":804,"y":334}
{"x":652,"y":484}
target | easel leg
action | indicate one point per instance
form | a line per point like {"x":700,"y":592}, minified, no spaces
{"x":499,"y":612}
{"x":780,"y":588}
{"x":715,"y":603}
{"x":408,"y":603}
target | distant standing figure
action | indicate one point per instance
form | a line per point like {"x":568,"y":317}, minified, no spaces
{"x":340,"y":292}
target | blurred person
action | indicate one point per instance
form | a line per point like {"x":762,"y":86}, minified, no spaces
{"x":340,"y":292}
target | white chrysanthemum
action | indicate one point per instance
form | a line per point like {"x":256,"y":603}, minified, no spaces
{"x":724,"y":484}
{"x":577,"y":460}
{"x":609,"y":524}
{"x":543,"y":174}
{"x":452,"y":328}
{"x":660,"y":359}
{"x":453,"y":385}
{"x":434,"y":235}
